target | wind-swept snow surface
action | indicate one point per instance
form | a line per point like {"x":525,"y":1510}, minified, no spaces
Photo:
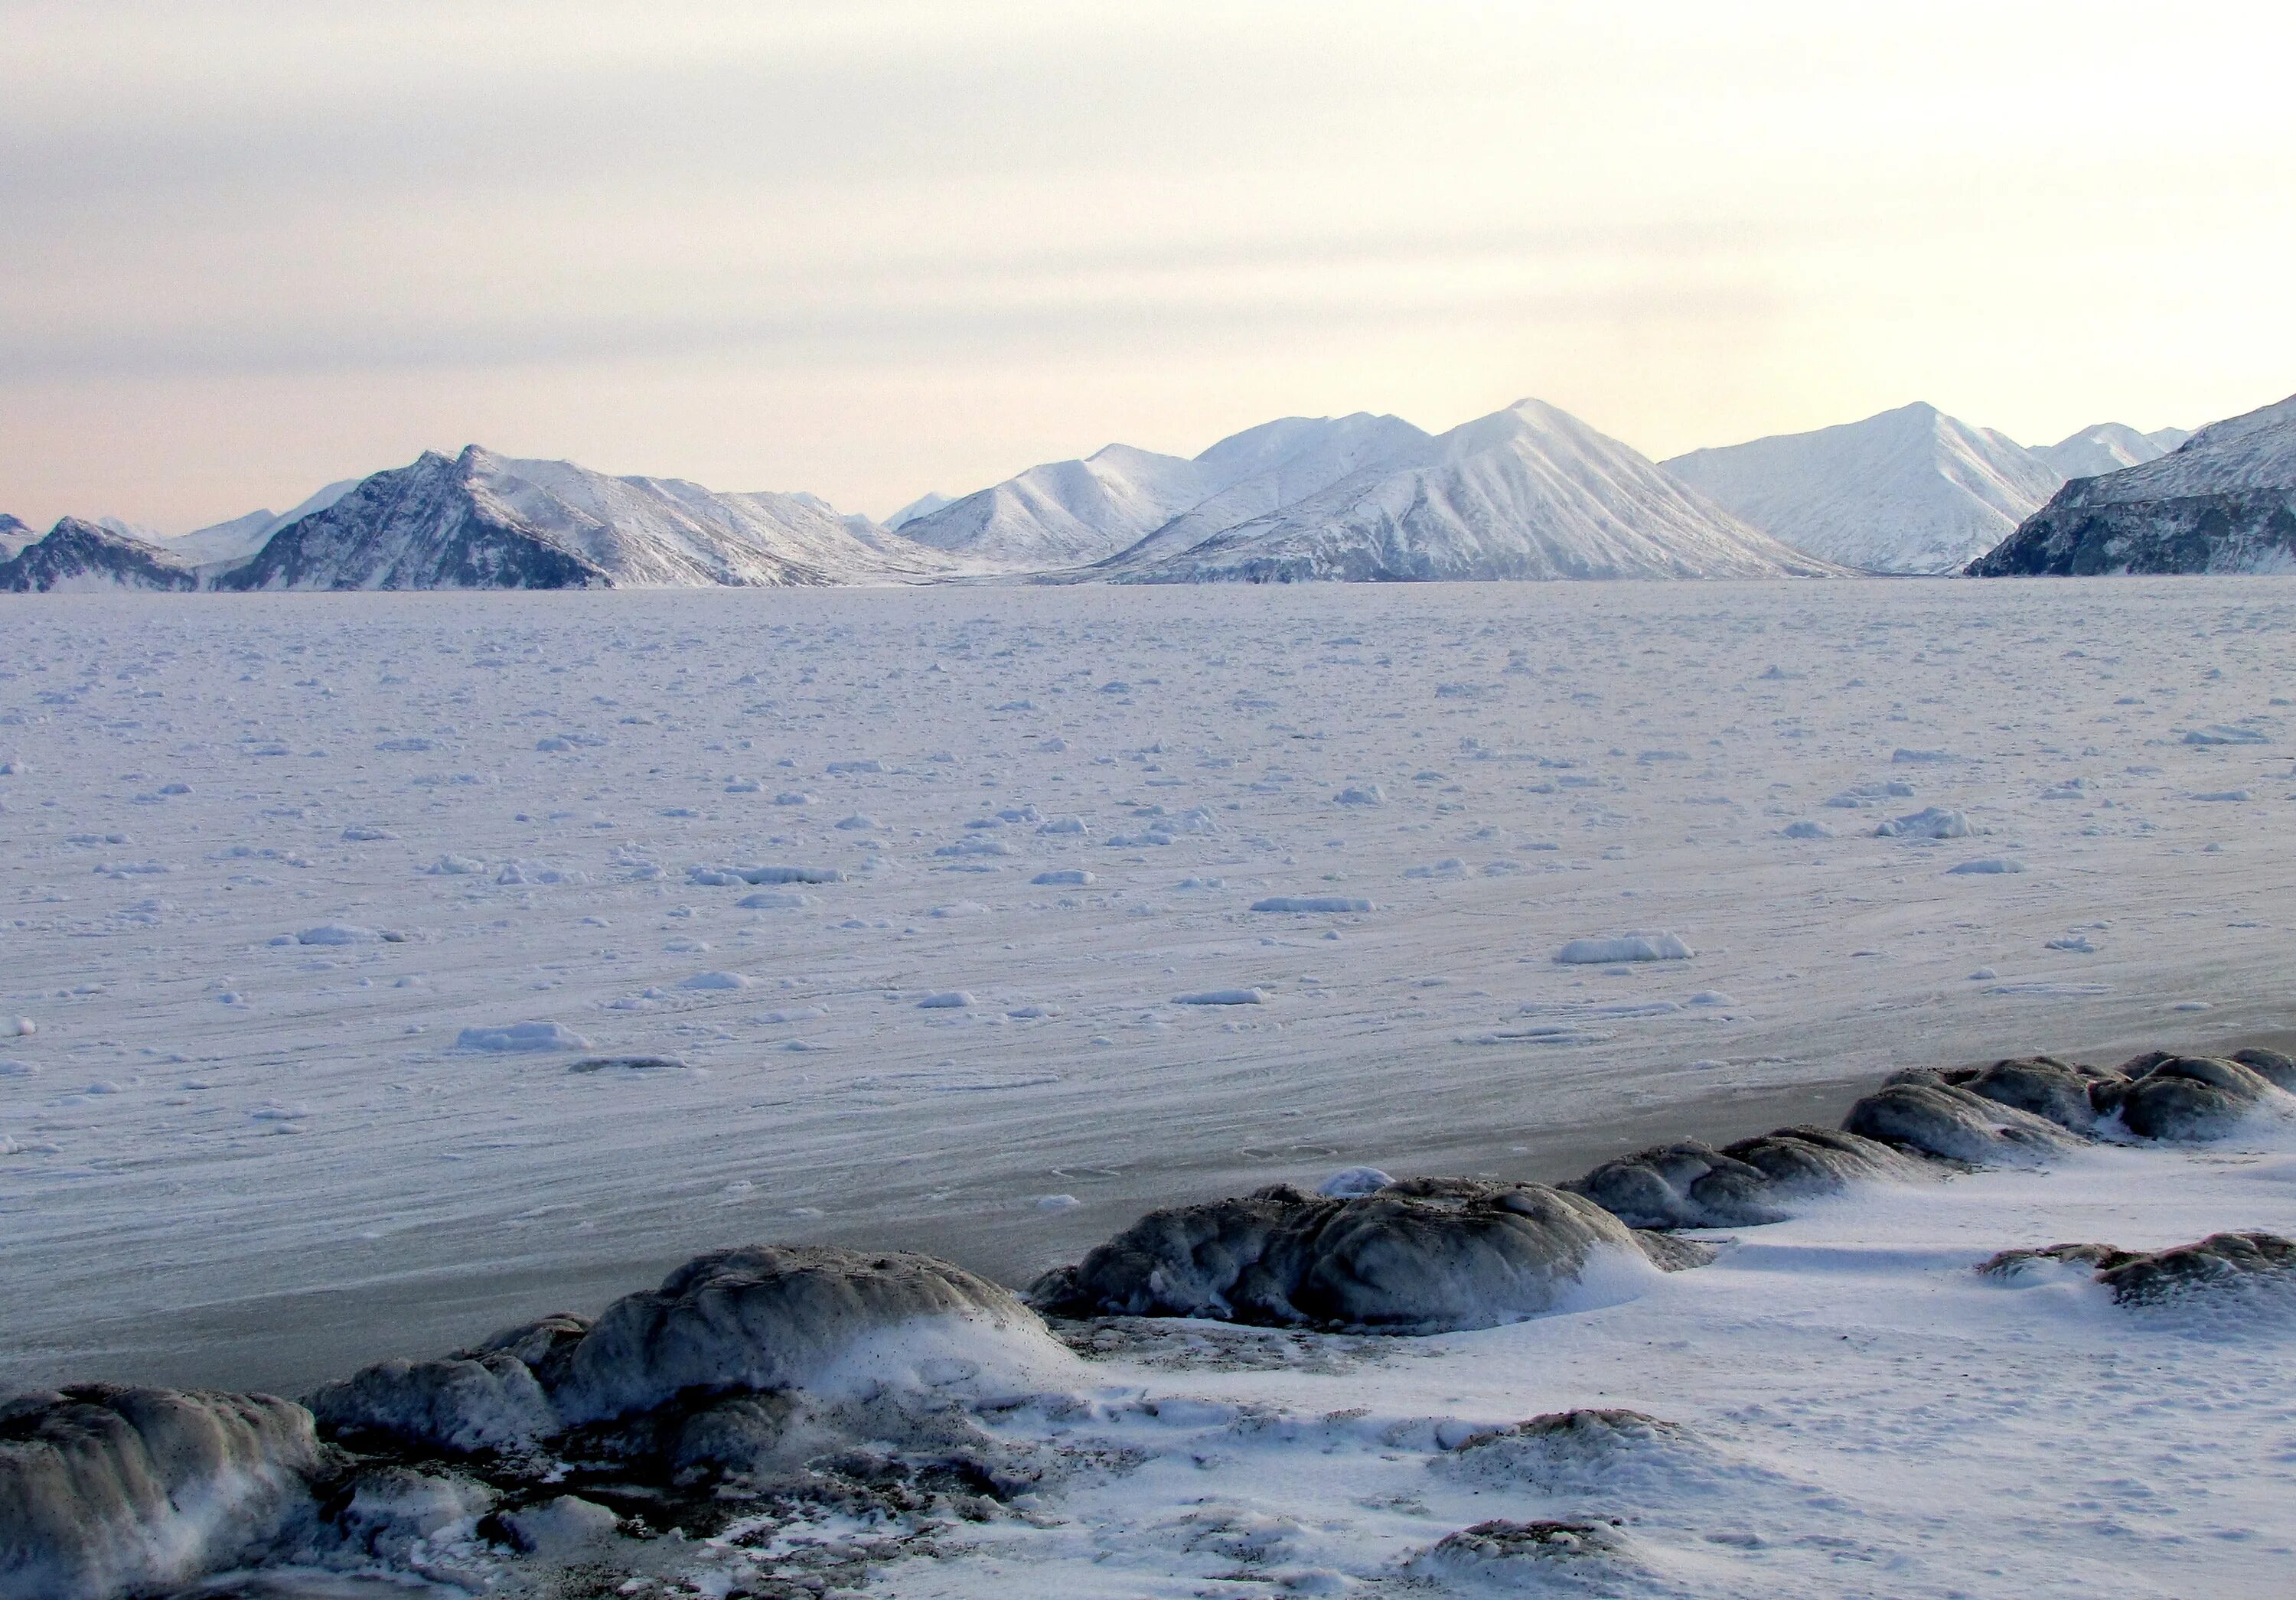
{"x":1910,"y":490}
{"x":2224,"y":501}
{"x":1530,"y":492}
{"x":234,"y":1156}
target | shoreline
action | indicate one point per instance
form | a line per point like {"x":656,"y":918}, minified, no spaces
{"x":288,"y":1344}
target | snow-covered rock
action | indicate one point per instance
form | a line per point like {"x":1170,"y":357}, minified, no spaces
{"x":14,"y":535}
{"x":1529,"y":492}
{"x":77,"y":555}
{"x":1910,"y":490}
{"x":2225,"y":501}
{"x":482,"y":521}
{"x":107,"y":1490}
{"x":1424,"y":1255}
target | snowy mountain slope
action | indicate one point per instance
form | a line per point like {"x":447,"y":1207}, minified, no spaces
{"x":1066,"y":513}
{"x":1910,"y":490}
{"x":923,"y":506}
{"x":2107,"y":448}
{"x":1276,"y":464}
{"x":78,"y":556}
{"x":126,"y":529}
{"x":2225,"y":501}
{"x":1530,"y":492}
{"x":482,"y":521}
{"x":242,"y":537}
{"x":14,"y":535}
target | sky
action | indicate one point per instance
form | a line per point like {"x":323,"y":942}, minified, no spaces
{"x":870,"y":248}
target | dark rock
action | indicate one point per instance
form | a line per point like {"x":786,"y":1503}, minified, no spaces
{"x":106,"y":1491}
{"x":1423,"y":1255}
{"x":1943,"y":1119}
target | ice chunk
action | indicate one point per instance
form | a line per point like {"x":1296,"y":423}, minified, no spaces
{"x":1312,"y":902}
{"x":1222,"y":996}
{"x":1625,"y":946}
{"x":522,"y":1036}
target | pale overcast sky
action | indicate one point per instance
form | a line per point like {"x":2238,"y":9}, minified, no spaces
{"x":869,"y":248}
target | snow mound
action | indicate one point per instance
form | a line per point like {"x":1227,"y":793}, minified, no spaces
{"x":1425,"y":1255}
{"x":1625,"y":946}
{"x":769,"y":1317}
{"x":106,"y":1491}
{"x":1930,"y":822}
{"x":1595,"y":1454}
{"x":1544,"y":1557}
{"x":1312,"y":902}
{"x":522,"y":1036}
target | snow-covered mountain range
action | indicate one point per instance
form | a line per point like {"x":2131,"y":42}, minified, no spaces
{"x":2224,"y":501}
{"x":1910,"y":490}
{"x":482,"y":521}
{"x":1529,"y":492}
{"x":79,"y":556}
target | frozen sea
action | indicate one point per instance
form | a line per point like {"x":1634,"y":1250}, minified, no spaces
{"x":280,"y":876}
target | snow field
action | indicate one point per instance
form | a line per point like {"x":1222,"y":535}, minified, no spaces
{"x":534,"y":804}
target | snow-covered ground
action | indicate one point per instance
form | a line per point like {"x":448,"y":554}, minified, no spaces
{"x":1843,"y":1408}
{"x":281,"y":875}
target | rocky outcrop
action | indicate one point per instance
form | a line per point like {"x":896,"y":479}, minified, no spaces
{"x":77,"y":555}
{"x":2223,"y":502}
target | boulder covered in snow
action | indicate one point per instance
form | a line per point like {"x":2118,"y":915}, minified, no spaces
{"x":804,"y":1323}
{"x":1424,"y":1255}
{"x":109,"y":1490}
{"x":2219,"y":1262}
{"x":1923,"y":1114}
{"x":2164,"y":1096}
